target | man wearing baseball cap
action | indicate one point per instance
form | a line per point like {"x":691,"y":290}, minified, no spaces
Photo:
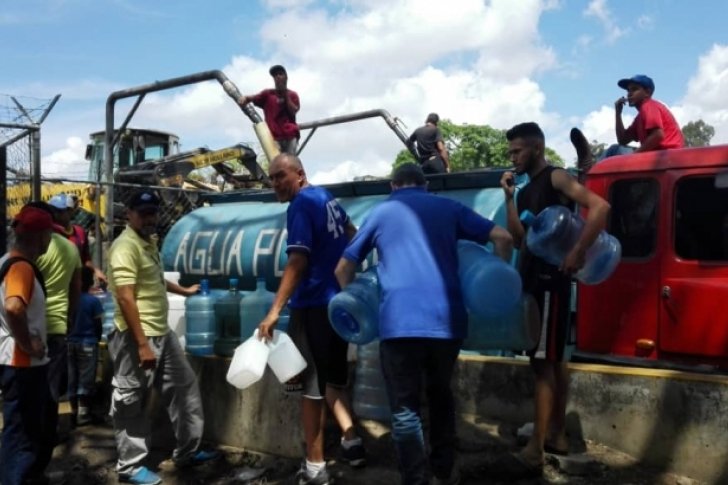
{"x":654,"y":127}
{"x":280,"y":106}
{"x":27,"y":438}
{"x":63,"y":208}
{"x":144,"y":351}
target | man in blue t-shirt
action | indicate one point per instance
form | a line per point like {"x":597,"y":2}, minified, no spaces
{"x":318,"y":231}
{"x":422,"y":316}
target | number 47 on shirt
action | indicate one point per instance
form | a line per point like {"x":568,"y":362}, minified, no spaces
{"x":333,"y":220}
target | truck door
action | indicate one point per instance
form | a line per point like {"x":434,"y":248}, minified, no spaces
{"x":614,"y":315}
{"x":694,"y":286}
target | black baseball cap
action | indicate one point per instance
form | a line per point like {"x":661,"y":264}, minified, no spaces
{"x":144,"y":201}
{"x":276,"y":69}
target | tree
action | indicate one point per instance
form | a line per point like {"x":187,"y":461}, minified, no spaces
{"x":698,"y":134}
{"x":473,"y":147}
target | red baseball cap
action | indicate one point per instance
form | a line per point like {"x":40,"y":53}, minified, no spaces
{"x":32,"y":219}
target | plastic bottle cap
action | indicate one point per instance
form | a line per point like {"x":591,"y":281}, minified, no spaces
{"x":527,"y":217}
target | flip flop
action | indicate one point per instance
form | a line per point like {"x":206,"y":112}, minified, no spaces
{"x":514,"y":467}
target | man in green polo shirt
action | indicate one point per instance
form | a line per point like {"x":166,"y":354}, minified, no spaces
{"x":61,"y":270}
{"x":145,"y":352}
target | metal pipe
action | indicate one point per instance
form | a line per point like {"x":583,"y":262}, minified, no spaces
{"x":374,"y":113}
{"x":35,"y":161}
{"x":18,"y":126}
{"x":12,"y":140}
{"x":218,"y":75}
{"x":22,"y":109}
{"x":3,"y":193}
{"x":49,"y":108}
{"x":128,"y":118}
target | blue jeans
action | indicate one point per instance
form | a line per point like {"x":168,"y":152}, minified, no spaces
{"x":404,"y":361}
{"x":614,"y":150}
{"x":27,"y":440}
{"x":82,"y":361}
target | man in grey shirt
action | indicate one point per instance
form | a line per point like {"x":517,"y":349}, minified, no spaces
{"x":433,"y":156}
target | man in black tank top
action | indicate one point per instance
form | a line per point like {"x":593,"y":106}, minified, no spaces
{"x":550,"y":286}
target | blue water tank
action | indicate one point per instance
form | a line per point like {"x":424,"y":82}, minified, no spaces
{"x":555,"y":231}
{"x":200,"y":321}
{"x":243,"y":235}
{"x":227,"y":318}
{"x":354,"y":312}
{"x":253,"y":308}
{"x":370,"y":399}
{"x":491,"y":287}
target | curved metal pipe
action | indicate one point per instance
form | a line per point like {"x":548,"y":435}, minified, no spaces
{"x":218,"y":75}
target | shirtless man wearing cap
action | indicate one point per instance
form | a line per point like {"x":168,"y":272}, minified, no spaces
{"x":280,"y":106}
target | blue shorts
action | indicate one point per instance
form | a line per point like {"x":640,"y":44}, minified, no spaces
{"x":82,"y":362}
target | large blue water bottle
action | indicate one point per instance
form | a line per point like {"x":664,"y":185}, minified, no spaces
{"x":555,"y":231}
{"x":491,"y":287}
{"x":253,"y":308}
{"x":107,"y":302}
{"x":517,"y":329}
{"x":354,"y":312}
{"x":200,"y":320}
{"x":227,"y":318}
{"x":370,"y":399}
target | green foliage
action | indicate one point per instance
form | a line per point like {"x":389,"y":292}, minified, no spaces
{"x":698,"y":134}
{"x":473,"y":147}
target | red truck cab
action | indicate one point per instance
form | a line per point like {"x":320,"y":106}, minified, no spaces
{"x":667,"y":301}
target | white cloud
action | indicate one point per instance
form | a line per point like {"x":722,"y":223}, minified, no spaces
{"x":67,"y":162}
{"x":707,"y":93}
{"x":379,"y":55}
{"x":601,"y":11}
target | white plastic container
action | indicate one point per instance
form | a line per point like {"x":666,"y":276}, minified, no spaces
{"x":176,"y":316}
{"x":248,"y":362}
{"x":285,"y":360}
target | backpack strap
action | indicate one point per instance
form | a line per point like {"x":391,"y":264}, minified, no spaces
{"x":12,"y":260}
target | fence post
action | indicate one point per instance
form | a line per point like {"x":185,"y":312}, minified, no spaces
{"x":4,"y":195}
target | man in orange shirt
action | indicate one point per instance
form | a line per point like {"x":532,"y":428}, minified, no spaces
{"x":27,"y":439}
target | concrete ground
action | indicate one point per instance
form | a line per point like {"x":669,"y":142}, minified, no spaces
{"x":88,"y":457}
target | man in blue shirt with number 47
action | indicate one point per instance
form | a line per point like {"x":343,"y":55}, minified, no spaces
{"x":318,"y":231}
{"x":422,"y":317}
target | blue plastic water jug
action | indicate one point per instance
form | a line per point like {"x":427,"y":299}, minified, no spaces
{"x":354,"y":312}
{"x":253,"y":308}
{"x":490,"y":286}
{"x":107,"y":302}
{"x":553,"y":233}
{"x":370,"y":399}
{"x":200,"y":320}
{"x":517,"y":329}
{"x":227,"y":321}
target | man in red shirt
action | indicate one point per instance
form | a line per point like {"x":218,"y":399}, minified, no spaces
{"x":280,"y":106}
{"x":655,"y":126}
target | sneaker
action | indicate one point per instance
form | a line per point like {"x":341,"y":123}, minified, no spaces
{"x":321,"y":478}
{"x":197,"y":459}
{"x":355,"y":456}
{"x":144,"y":476}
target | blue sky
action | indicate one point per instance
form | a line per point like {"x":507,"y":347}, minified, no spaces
{"x":496,"y":62}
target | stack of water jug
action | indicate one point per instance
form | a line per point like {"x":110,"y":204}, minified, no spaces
{"x":226,"y":325}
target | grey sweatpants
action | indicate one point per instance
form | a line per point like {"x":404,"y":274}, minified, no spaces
{"x":175,"y":380}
